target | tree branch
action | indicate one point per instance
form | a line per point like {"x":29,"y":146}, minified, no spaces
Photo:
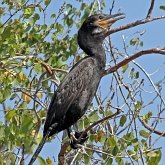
{"x":150,"y":9}
{"x":98,"y":122}
{"x":136,"y":55}
{"x":133,"y":24}
{"x":14,"y":14}
{"x":151,"y":128}
{"x":62,"y":153}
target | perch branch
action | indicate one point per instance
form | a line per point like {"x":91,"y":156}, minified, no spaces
{"x":98,"y":122}
{"x":151,"y":128}
{"x":133,"y":24}
{"x":62,"y":153}
{"x":136,"y":55}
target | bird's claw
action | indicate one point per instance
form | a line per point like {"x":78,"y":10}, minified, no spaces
{"x":72,"y":136}
{"x":75,"y":143}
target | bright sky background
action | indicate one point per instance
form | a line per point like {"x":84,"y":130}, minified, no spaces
{"x":154,"y":37}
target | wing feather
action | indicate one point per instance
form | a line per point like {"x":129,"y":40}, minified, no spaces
{"x":70,"y":89}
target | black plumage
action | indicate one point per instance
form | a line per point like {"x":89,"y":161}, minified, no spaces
{"x":78,"y":88}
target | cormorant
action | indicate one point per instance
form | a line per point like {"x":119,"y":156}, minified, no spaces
{"x":76,"y":91}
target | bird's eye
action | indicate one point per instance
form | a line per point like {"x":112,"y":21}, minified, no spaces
{"x":100,"y":17}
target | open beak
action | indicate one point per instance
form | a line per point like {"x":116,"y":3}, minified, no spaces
{"x":106,"y":22}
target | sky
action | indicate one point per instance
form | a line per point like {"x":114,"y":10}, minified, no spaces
{"x":153,"y":37}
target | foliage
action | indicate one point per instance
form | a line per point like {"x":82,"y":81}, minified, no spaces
{"x":36,"y":47}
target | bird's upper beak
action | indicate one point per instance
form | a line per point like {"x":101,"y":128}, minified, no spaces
{"x":107,"y":21}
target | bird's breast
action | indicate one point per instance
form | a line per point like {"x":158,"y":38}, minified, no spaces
{"x":88,"y":93}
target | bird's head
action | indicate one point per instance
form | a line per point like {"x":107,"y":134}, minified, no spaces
{"x":93,"y":30}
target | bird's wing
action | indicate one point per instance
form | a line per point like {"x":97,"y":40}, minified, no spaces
{"x":70,"y":89}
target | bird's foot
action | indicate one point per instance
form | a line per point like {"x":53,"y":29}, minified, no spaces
{"x":72,"y":136}
{"x":75,"y":141}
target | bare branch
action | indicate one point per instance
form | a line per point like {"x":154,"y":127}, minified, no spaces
{"x":150,"y":9}
{"x":151,"y":128}
{"x":136,"y":55}
{"x":112,"y":7}
{"x":133,"y":24}
{"x":62,"y":153}
{"x":98,"y":122}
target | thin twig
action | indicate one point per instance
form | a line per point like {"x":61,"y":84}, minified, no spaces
{"x":112,"y":6}
{"x":151,"y":128}
{"x":72,"y":163}
{"x":13,"y":14}
{"x":136,"y":55}
{"x":150,"y":9}
{"x":98,"y":122}
{"x":133,"y":24}
{"x":92,"y":7}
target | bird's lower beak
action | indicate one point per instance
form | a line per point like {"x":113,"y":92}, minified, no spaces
{"x":109,"y":20}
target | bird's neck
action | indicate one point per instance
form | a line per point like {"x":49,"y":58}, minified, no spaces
{"x":98,"y":53}
{"x":92,"y":47}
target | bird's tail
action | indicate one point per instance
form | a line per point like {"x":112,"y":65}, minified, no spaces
{"x":39,"y":148}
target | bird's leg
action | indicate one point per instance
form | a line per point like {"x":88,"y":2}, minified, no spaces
{"x":71,"y":134}
{"x":74,"y":143}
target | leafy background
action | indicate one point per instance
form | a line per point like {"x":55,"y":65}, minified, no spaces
{"x":38,"y":46}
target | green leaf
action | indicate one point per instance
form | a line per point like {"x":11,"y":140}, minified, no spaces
{"x":1,"y":97}
{"x":133,"y":154}
{"x":47,"y":2}
{"x":27,"y":124}
{"x":154,"y":159}
{"x":10,"y":114}
{"x":6,"y":93}
{"x":115,"y":150}
{"x":138,"y":105}
{"x":109,"y":161}
{"x":129,"y":137}
{"x":144,"y":133}
{"x":162,"y":7}
{"x":6,"y":33}
{"x":36,"y":16}
{"x":49,"y":161}
{"x":53,"y":15}
{"x":131,"y":73}
{"x":2,"y":132}
{"x":59,"y":27}
{"x":124,"y":67}
{"x":94,"y":117}
{"x":69,"y":21}
{"x":2,"y":10}
{"x":41,"y":161}
{"x":151,"y":154}
{"x":112,"y":142}
{"x":135,"y":142}
{"x":134,"y":41}
{"x":119,"y":161}
{"x":28,"y":12}
{"x":122,"y":120}
{"x":13,"y":96}
{"x":141,"y":43}
{"x":136,"y":75}
{"x":99,"y":135}
{"x":37,"y":68}
{"x":147,"y":116}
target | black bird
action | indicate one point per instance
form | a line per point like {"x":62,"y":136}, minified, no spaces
{"x":75,"y":93}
